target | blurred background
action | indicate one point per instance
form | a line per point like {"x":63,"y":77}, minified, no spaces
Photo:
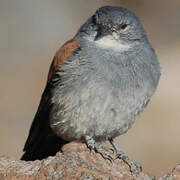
{"x":30,"y":34}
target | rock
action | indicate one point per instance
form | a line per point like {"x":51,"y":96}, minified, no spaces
{"x":174,"y":175}
{"x":75,"y":162}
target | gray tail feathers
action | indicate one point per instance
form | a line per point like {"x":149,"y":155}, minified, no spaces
{"x":44,"y":147}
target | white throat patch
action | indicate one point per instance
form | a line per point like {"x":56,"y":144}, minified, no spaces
{"x":107,"y":42}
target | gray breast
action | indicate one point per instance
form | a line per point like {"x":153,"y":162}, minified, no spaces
{"x":100,"y":98}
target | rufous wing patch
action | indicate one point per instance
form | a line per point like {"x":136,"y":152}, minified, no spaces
{"x":61,"y":55}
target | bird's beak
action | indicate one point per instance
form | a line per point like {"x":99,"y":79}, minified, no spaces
{"x":102,"y":32}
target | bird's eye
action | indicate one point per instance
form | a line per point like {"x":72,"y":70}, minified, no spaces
{"x":123,"y":26}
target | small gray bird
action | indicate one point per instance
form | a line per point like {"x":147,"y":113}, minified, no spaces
{"x":98,"y":84}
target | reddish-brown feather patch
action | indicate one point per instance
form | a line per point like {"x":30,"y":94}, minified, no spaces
{"x":62,"y":54}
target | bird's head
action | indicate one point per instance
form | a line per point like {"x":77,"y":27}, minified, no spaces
{"x":112,"y":27}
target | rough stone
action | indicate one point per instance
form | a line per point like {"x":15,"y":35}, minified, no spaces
{"x":75,"y":162}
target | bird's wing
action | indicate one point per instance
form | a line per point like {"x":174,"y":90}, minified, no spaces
{"x":62,"y":54}
{"x":41,"y":119}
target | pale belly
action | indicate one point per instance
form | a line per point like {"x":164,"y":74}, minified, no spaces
{"x":103,"y":116}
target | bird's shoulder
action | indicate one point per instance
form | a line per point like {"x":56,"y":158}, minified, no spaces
{"x":61,"y":55}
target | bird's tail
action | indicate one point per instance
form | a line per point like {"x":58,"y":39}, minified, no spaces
{"x":45,"y":146}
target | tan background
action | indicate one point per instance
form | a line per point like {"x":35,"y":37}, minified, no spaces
{"x":31,"y":32}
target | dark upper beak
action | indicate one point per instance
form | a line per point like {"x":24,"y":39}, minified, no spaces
{"x":102,"y":32}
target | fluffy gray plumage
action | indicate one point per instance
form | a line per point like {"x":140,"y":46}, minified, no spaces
{"x":102,"y":90}
{"x":99,"y":92}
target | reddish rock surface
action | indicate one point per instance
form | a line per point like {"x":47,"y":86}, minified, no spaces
{"x":75,"y":162}
{"x":174,"y":175}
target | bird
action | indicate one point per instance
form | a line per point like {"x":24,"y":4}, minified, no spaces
{"x":98,"y":84}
